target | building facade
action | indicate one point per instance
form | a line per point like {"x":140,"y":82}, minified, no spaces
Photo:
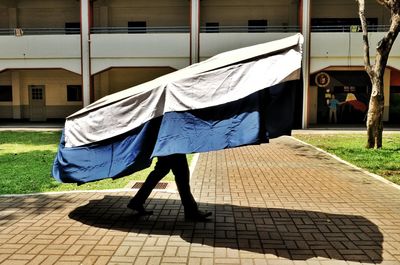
{"x":58,"y":56}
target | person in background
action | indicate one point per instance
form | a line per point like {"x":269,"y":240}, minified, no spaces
{"x":333,"y":106}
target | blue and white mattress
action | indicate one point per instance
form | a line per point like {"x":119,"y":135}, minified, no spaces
{"x":236,"y":98}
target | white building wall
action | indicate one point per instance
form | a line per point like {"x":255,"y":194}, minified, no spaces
{"x":346,"y":49}
{"x":40,"y":51}
{"x":138,"y":50}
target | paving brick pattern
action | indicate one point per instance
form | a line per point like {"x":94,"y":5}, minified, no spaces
{"x":278,"y":203}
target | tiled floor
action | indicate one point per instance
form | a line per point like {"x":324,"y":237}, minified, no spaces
{"x":278,"y":203}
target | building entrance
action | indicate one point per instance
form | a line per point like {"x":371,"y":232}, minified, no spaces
{"x":344,"y":94}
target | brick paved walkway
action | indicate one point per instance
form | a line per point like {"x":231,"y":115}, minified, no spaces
{"x":278,"y":203}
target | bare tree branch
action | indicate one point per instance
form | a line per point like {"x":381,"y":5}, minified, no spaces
{"x":389,"y":4}
{"x":361,"y":13}
{"x":386,"y":43}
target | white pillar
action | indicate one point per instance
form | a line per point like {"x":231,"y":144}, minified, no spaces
{"x":194,"y":30}
{"x":306,"y":58}
{"x":85,"y":51}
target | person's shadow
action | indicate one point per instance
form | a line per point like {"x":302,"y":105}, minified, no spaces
{"x":292,"y":234}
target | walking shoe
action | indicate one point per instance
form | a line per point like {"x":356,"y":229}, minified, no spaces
{"x":138,"y":208}
{"x":200,"y":216}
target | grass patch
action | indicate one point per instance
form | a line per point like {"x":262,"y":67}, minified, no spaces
{"x":384,"y":162}
{"x":26,"y":159}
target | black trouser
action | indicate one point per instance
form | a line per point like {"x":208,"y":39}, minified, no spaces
{"x":179,"y":166}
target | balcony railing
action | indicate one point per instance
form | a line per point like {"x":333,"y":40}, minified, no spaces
{"x":119,"y":30}
{"x":186,"y":29}
{"x":39,"y":31}
{"x":349,"y":28}
{"x":250,"y":29}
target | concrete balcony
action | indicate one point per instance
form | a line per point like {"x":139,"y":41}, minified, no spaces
{"x":40,"y":49}
{"x":346,"y":49}
{"x":115,"y":47}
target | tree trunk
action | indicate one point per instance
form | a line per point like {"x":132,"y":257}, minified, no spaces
{"x":376,"y":102}
{"x":375,"y":116}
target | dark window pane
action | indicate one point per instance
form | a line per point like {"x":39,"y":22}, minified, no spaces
{"x":137,"y":26}
{"x":72,"y":28}
{"x":257,"y":25}
{"x":37,"y":93}
{"x":342,"y":24}
{"x":212,"y":27}
{"x":5,"y":93}
{"x":395,"y":89}
{"x":74,"y":93}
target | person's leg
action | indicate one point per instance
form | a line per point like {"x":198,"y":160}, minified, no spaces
{"x":181,"y":172}
{"x":160,"y":170}
{"x":334,"y":116}
{"x":180,"y":168}
{"x":330,"y":115}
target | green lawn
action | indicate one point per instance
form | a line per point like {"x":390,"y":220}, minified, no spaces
{"x":384,"y":162}
{"x":26,"y":159}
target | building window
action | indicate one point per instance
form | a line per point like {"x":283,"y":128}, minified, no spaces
{"x":212,"y":27}
{"x":37,"y":93}
{"x":72,"y":28}
{"x":342,"y":24}
{"x":259,"y":25}
{"x":5,"y":93}
{"x":137,"y":26}
{"x":74,"y":93}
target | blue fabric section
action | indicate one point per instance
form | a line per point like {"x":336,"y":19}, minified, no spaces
{"x":115,"y":158}
{"x":226,"y":126}
{"x":279,"y":108}
{"x":251,"y":120}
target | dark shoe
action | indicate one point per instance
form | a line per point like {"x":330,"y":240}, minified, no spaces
{"x":200,"y":216}
{"x":138,"y":208}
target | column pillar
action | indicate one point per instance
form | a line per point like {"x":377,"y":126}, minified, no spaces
{"x":16,"y":94}
{"x":305,"y":29}
{"x":194,"y":31}
{"x":85,"y":51}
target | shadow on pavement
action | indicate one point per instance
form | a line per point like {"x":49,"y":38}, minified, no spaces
{"x":15,"y":208}
{"x":287,"y":233}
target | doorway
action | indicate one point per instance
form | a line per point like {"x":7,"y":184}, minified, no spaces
{"x":37,"y":103}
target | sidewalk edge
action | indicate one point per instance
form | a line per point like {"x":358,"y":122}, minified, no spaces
{"x":375,"y":176}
